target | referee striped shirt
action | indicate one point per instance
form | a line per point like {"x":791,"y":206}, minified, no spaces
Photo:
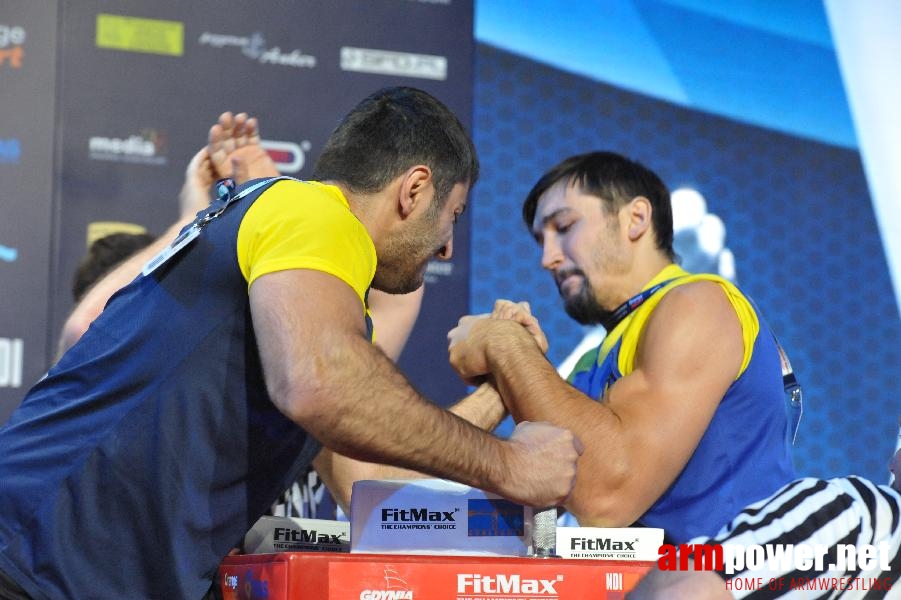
{"x":831,"y":514}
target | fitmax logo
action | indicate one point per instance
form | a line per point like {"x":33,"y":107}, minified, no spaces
{"x":473,"y":583}
{"x":288,"y":534}
{"x":416,"y":515}
{"x":601,"y":544}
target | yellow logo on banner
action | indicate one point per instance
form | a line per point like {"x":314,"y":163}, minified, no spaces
{"x":153,"y":36}
{"x":99,"y":229}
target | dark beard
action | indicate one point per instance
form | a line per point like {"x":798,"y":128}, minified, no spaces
{"x":398,"y":271}
{"x":583,"y":308}
{"x":392,"y":281}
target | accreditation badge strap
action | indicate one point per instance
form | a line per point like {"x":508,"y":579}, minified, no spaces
{"x":794,"y":406}
{"x":792,"y":390}
{"x":224,"y":198}
{"x":625,"y":309}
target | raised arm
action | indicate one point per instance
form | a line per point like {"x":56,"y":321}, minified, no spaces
{"x":233,"y":150}
{"x":640,"y":435}
{"x":323,"y":374}
{"x":194,"y":196}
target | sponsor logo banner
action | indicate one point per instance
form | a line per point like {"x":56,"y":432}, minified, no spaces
{"x":12,"y":42}
{"x":101,"y":229}
{"x":147,"y":147}
{"x":287,"y":156}
{"x":255,"y":581}
{"x":132,"y":34}
{"x":435,"y":515}
{"x":388,"y":62}
{"x":254,"y":47}
{"x":349,"y":576}
{"x":489,"y":517}
{"x":282,"y":534}
{"x":370,"y":581}
{"x":609,"y":543}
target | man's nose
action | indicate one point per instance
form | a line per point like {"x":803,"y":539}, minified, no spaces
{"x":551,"y":255}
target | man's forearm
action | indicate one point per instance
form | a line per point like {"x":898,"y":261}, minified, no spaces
{"x":527,"y":382}
{"x":366,"y":399}
{"x":483,"y":408}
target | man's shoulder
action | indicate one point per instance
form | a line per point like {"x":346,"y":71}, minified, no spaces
{"x":304,"y":201}
{"x":704,"y":298}
{"x":705,"y":287}
{"x":294,"y":188}
{"x":696,"y":298}
{"x":685,"y":321}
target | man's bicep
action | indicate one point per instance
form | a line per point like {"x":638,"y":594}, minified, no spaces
{"x":692,"y":345}
{"x":688,"y":356}
{"x":300,"y":317}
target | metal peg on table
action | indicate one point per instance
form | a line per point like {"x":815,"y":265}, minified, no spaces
{"x":544,"y":532}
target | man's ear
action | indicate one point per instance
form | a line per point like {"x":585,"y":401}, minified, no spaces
{"x":639,"y":211}
{"x":416,"y":190}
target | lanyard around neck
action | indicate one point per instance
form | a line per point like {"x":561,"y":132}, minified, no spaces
{"x":626,"y":308}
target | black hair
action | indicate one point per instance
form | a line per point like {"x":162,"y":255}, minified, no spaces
{"x":389,"y":132}
{"x":616,"y":180}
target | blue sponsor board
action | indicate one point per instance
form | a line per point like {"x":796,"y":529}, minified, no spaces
{"x":495,"y":517}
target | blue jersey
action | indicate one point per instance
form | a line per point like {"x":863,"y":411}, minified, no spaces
{"x":152,"y":446}
{"x":743,"y":455}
